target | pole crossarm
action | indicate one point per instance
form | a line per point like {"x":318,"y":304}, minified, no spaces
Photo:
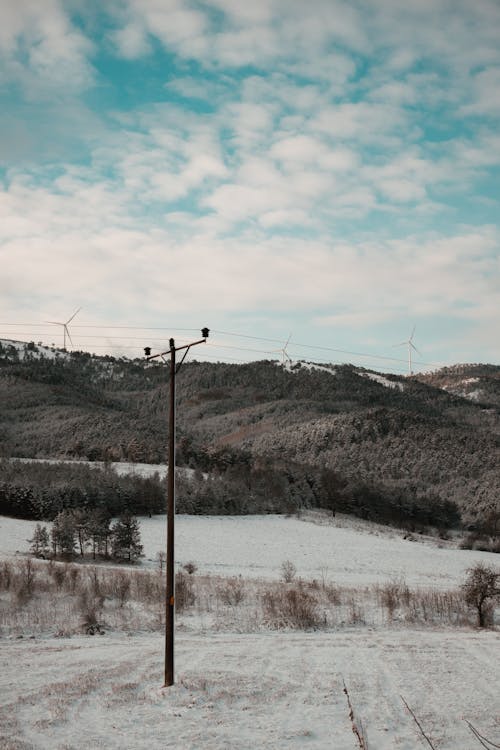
{"x":177,"y":349}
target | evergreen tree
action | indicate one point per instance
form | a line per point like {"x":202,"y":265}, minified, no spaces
{"x":39,"y":542}
{"x":99,"y":531}
{"x":126,"y":538}
{"x":63,"y":534}
{"x":81,"y":521}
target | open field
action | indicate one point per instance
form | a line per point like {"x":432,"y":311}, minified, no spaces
{"x":259,"y":663}
{"x":273,"y":691}
{"x":353,"y":552}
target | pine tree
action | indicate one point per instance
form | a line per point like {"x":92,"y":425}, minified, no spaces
{"x":63,"y":534}
{"x":39,"y":542}
{"x":126,"y":538}
{"x":99,"y":531}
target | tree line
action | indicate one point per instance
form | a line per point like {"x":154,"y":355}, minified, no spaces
{"x":40,"y":490}
{"x":76,"y":532}
{"x":234,"y":483}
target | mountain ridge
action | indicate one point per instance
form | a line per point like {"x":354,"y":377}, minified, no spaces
{"x":378,"y":435}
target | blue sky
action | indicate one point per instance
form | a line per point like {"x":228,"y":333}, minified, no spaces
{"x":324,"y":169}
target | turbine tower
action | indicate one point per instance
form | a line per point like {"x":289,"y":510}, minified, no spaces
{"x":65,"y":327}
{"x":284,"y":354}
{"x":409,"y":343}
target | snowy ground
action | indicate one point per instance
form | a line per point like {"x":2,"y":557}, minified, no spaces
{"x":122,"y":468}
{"x":274,"y":691}
{"x":269,"y":690}
{"x":347,"y":551}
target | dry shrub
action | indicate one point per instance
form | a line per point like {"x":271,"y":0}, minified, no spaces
{"x":422,"y":606}
{"x":288,"y":571}
{"x":295,"y":608}
{"x":6,"y":576}
{"x":94,"y":581}
{"x":333,"y":595}
{"x":184,"y":591}
{"x":119,"y":584}
{"x":25,"y":581}
{"x":394,"y":595}
{"x":91,"y":608}
{"x":148,"y":587}
{"x":72,"y":578}
{"x":232,"y":591}
{"x":445,"y":607}
{"x":58,"y":574}
{"x":190,"y":567}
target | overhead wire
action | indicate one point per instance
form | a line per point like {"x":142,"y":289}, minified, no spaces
{"x":312,"y":347}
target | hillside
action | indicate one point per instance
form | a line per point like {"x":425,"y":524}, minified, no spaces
{"x":384,"y":447}
{"x":479,"y":383}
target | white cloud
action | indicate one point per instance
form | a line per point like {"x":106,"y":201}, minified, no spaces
{"x":485,"y":93}
{"x":173,"y":22}
{"x":42,"y":50}
{"x":333,"y":130}
{"x":131,"y":40}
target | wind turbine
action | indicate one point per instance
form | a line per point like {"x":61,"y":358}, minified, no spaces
{"x":409,"y":343}
{"x":65,"y":327}
{"x":284,"y":354}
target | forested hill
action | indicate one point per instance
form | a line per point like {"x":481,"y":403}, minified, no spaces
{"x":341,"y":436}
{"x":479,"y":383}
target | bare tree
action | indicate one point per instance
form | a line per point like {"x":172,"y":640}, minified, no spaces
{"x":480,"y":587}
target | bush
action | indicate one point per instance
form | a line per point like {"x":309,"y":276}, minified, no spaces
{"x":232,"y":592}
{"x":288,"y":571}
{"x":291,"y":608}
{"x":184,"y":591}
{"x":393,"y":595}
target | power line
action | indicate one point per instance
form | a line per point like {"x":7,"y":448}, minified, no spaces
{"x":110,"y":338}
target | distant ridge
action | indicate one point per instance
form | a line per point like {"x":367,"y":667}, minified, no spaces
{"x":415,"y":441}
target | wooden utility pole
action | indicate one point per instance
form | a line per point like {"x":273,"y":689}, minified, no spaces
{"x":170,"y":560}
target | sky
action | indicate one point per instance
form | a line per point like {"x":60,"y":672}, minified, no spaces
{"x":323,"y":172}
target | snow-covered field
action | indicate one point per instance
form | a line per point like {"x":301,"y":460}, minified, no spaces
{"x":349,"y":552}
{"x":270,"y":690}
{"x":237,"y":692}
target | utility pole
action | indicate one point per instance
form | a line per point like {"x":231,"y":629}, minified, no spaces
{"x":170,"y":573}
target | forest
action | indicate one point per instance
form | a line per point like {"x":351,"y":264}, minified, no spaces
{"x":258,"y":438}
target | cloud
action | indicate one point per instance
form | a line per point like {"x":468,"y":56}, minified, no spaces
{"x":301,"y":159}
{"x":172,"y":22}
{"x":42,"y":51}
{"x":485,"y":94}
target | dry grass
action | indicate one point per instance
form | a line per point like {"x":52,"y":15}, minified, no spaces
{"x":63,"y":598}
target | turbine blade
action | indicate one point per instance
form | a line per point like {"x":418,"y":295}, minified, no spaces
{"x":414,"y":347}
{"x":412,"y":333}
{"x":74,"y":314}
{"x":67,"y":334}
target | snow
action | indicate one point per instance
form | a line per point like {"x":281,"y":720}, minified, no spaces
{"x":122,"y":468}
{"x":39,"y":352}
{"x":256,"y":546}
{"x":312,"y":366}
{"x":475,"y":395}
{"x":272,"y":692}
{"x":268,"y":690}
{"x":381,"y":380}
